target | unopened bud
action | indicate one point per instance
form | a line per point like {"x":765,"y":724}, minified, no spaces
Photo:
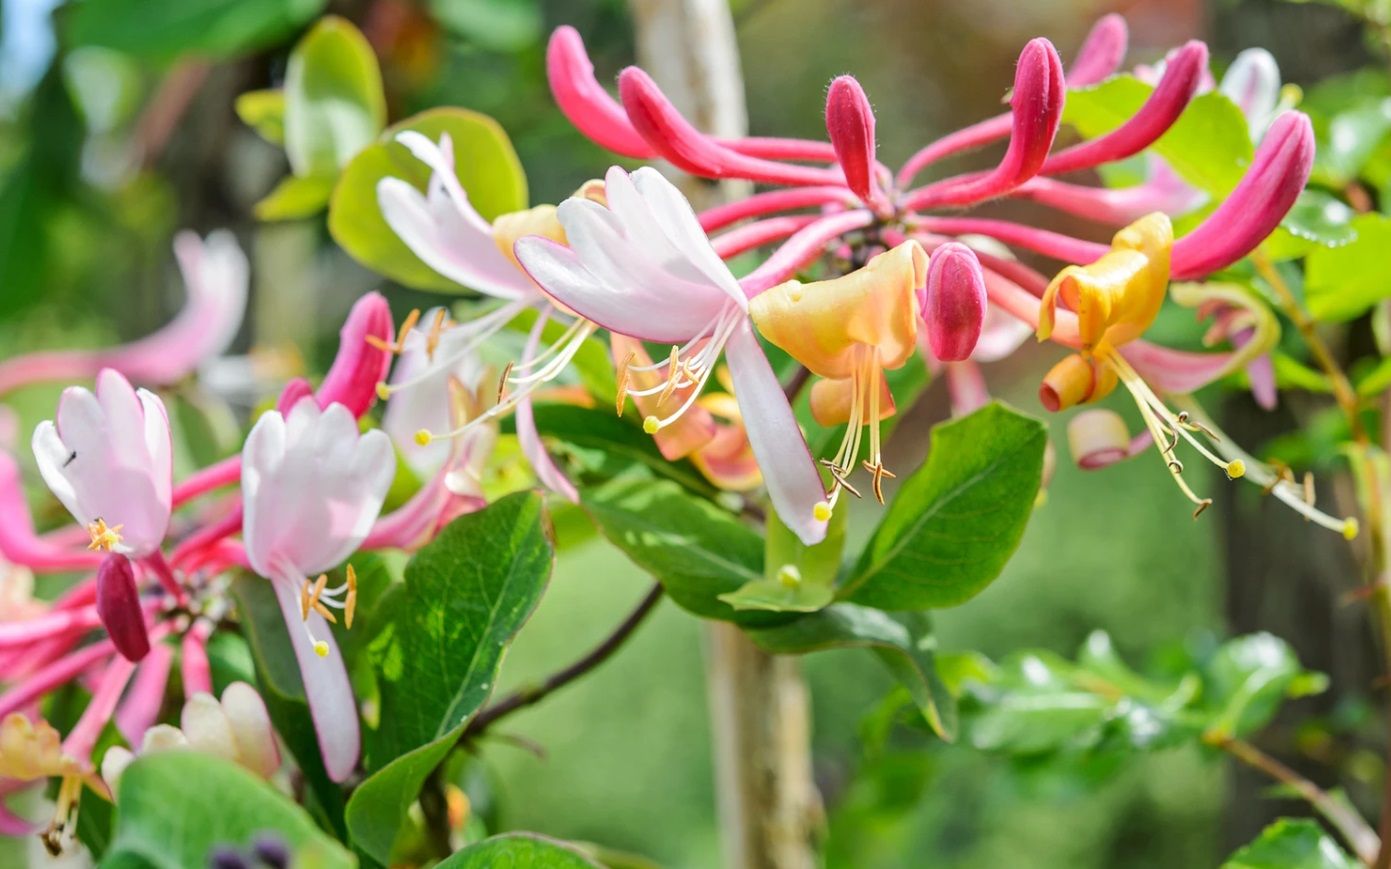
{"x":850,"y":124}
{"x":1097,"y":438}
{"x":118,"y":605}
{"x":251,"y":729}
{"x":954,"y":305}
{"x":206,"y":727}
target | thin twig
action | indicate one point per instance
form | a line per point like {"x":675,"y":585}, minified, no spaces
{"x":1348,"y":823}
{"x":599,"y":654}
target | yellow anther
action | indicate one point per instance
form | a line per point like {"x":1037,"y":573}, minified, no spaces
{"x":432,"y":338}
{"x":304,"y":602}
{"x":1236,"y":469}
{"x":104,"y":537}
{"x":674,"y":371}
{"x":821,"y":512}
{"x":423,"y":437}
{"x":1350,"y":528}
{"x":624,"y":376}
{"x":321,"y":648}
{"x":350,"y":604}
{"x":651,"y":425}
{"x":383,"y":391}
{"x":789,"y":576}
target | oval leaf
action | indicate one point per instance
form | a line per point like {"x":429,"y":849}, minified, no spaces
{"x":519,"y":851}
{"x":334,"y":103}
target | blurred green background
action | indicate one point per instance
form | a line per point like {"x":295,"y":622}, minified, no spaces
{"x":95,"y":178}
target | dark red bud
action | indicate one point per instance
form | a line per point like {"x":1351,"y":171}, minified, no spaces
{"x":118,"y":604}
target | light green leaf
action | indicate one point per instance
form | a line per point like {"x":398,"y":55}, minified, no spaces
{"x":902,"y":641}
{"x":1343,"y":282}
{"x":296,"y":197}
{"x":1292,"y":844}
{"x":437,"y":652}
{"x":174,"y":807}
{"x":334,"y":102}
{"x":1316,"y":220}
{"x":797,"y":577}
{"x":1352,"y":137}
{"x":1209,"y":145}
{"x":958,"y":518}
{"x":1246,"y":681}
{"x":519,"y":851}
{"x":485,"y":162}
{"x":503,"y":25}
{"x":167,"y":29}
{"x":264,"y":112}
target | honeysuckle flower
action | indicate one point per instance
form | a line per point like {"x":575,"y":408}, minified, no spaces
{"x":642,"y":267}
{"x":442,"y":227}
{"x":312,"y":486}
{"x":1253,"y":83}
{"x":954,"y":302}
{"x":107,"y":458}
{"x":727,"y":459}
{"x":850,"y":330}
{"x":216,"y":276}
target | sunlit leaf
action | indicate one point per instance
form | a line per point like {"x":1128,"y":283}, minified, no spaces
{"x":334,"y":102}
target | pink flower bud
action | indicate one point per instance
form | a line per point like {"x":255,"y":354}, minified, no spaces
{"x":360,"y":364}
{"x":1256,"y":206}
{"x":954,"y":307}
{"x":118,"y":604}
{"x":1101,"y":52}
{"x":850,"y":124}
{"x":581,"y":98}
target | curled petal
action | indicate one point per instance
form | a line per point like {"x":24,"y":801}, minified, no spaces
{"x":850,"y":124}
{"x":1075,"y":380}
{"x":954,"y":308}
{"x":1257,"y":205}
{"x":1099,"y":437}
{"x":360,"y":364}
{"x":1101,"y":52}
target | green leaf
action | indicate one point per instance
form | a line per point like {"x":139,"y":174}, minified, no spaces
{"x":334,"y":102}
{"x":602,"y":446}
{"x":485,"y":162}
{"x":502,"y":25}
{"x":902,"y":641}
{"x":174,"y":807}
{"x":1292,"y":844}
{"x":1317,"y":220}
{"x":167,"y":29}
{"x":1209,"y":145}
{"x":693,"y":548}
{"x":296,"y":197}
{"x":438,"y":649}
{"x":1343,"y":282}
{"x":264,"y":112}
{"x":519,"y":851}
{"x":1352,"y":138}
{"x":1246,"y":681}
{"x":797,"y":577}
{"x":956,"y":521}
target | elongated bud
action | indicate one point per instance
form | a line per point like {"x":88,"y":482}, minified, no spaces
{"x":360,"y":364}
{"x":674,"y":138}
{"x":1101,"y":52}
{"x":1182,"y":75}
{"x":1256,"y":206}
{"x":1037,"y":106}
{"x":850,"y":124}
{"x":1075,"y":381}
{"x":954,"y":307}
{"x":585,"y":102}
{"x":251,"y":729}
{"x":118,"y":604}
{"x":206,"y":727}
{"x":1253,"y":83}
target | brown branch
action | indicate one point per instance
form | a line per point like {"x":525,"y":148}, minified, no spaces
{"x":1354,"y":830}
{"x":599,"y":654}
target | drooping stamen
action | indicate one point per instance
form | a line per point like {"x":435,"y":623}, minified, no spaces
{"x":396,"y":347}
{"x":475,"y":332}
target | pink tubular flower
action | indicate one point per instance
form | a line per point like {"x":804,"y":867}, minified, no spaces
{"x":362,"y":361}
{"x":216,"y":276}
{"x":850,"y":125}
{"x":642,"y":267}
{"x":108,"y":459}
{"x":312,"y":487}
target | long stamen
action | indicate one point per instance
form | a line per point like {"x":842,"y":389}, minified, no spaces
{"x":480,"y":329}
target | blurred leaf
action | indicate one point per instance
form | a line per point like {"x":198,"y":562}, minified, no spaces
{"x":485,"y":162}
{"x":168,"y":29}
{"x":1316,"y":220}
{"x":296,"y":197}
{"x":1375,"y":380}
{"x":1209,"y":145}
{"x":796,"y":577}
{"x":334,"y":103}
{"x":1246,"y":680}
{"x":264,"y":112}
{"x":1292,"y":844}
{"x":902,"y":641}
{"x":437,"y":652}
{"x":1291,"y":373}
{"x":1352,"y":137}
{"x":176,"y":806}
{"x":503,"y":25}
{"x":693,"y":548}
{"x":956,"y":521}
{"x":1343,"y":282}
{"x":519,"y":851}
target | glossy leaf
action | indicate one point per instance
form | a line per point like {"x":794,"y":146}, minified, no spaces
{"x":519,"y":851}
{"x":438,"y":648}
{"x":485,"y":162}
{"x":796,"y":577}
{"x":955,"y":522}
{"x":175,"y":807}
{"x":334,"y":102}
{"x":167,"y":29}
{"x":1292,"y":844}
{"x":1209,"y":145}
{"x":1343,"y":282}
{"x":902,"y":641}
{"x":600,"y":446}
{"x":1316,"y":220}
{"x":1248,"y":678}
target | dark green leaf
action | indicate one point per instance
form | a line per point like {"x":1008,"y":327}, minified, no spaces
{"x":166,"y":29}
{"x":1342,"y":282}
{"x":334,"y":102}
{"x":602,"y":446}
{"x":958,"y":519}
{"x":519,"y":851}
{"x":487,"y":167}
{"x":1292,"y":844}
{"x":902,"y":641}
{"x":437,"y":652}
{"x":176,"y":806}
